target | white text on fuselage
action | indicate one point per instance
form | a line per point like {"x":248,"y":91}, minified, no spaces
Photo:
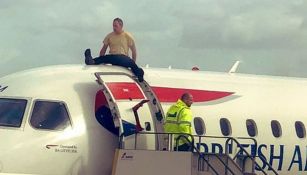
{"x":273,"y":154}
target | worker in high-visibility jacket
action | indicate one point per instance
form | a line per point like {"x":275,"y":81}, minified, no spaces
{"x":178,"y":120}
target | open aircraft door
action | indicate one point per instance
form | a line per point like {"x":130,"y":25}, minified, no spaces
{"x":134,"y":108}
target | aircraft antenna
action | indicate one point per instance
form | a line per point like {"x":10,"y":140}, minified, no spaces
{"x":234,"y":67}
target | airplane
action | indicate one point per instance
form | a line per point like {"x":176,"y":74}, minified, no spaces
{"x":53,"y":120}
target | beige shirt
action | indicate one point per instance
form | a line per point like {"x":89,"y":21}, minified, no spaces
{"x":119,"y":43}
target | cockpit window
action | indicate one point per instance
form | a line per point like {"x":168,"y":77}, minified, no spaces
{"x":50,"y":115}
{"x":12,"y":111}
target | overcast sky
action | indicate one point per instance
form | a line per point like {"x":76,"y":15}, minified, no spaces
{"x":267,"y":36}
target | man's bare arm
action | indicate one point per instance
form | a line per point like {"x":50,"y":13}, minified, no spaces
{"x":133,"y":50}
{"x":103,"y":50}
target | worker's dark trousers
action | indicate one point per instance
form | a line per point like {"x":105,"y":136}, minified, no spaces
{"x":183,"y":147}
{"x":121,"y":60}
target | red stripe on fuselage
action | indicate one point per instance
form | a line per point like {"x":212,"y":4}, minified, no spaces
{"x":166,"y":94}
{"x":130,"y":90}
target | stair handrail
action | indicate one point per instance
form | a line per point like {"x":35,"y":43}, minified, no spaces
{"x":170,"y":135}
{"x":250,"y":156}
{"x":243,"y":149}
{"x":239,"y":145}
{"x":191,"y":143}
{"x":185,"y":136}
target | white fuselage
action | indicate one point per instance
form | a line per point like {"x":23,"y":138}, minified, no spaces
{"x":86,"y":147}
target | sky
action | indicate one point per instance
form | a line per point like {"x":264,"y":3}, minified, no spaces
{"x":268,"y":37}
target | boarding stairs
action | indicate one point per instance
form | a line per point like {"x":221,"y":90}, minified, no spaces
{"x":152,"y":162}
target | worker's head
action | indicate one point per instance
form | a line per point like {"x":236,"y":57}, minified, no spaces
{"x":118,"y":25}
{"x":187,"y":98}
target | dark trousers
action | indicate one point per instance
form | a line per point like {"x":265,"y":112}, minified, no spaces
{"x":121,"y":60}
{"x":183,"y":147}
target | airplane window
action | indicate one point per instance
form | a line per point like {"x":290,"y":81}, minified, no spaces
{"x":251,"y":128}
{"x":300,"y":129}
{"x":225,"y":126}
{"x":50,"y":115}
{"x":12,"y":111}
{"x":276,"y":128}
{"x":199,"y":126}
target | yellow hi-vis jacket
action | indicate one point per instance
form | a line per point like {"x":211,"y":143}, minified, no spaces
{"x":178,"y":120}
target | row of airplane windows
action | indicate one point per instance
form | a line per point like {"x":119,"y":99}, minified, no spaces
{"x":252,"y":129}
{"x":42,"y":117}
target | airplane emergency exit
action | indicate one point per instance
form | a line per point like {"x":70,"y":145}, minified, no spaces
{"x":72,"y":119}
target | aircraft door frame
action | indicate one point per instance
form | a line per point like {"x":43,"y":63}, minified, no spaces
{"x":123,"y":92}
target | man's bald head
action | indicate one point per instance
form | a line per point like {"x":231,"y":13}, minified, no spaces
{"x":187,"y":98}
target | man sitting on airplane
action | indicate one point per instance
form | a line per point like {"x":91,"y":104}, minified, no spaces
{"x":178,"y":120}
{"x":119,"y":43}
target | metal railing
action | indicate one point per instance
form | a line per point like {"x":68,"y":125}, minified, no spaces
{"x":242,"y":149}
{"x":186,"y":137}
{"x":229,"y":140}
{"x":200,"y":155}
{"x":170,"y":138}
{"x":180,"y":136}
{"x":227,"y":152}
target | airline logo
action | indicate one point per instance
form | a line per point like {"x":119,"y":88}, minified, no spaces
{"x":2,"y":88}
{"x":51,"y":146}
{"x":127,"y":156}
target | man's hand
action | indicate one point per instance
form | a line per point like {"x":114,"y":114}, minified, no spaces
{"x":103,"y":50}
